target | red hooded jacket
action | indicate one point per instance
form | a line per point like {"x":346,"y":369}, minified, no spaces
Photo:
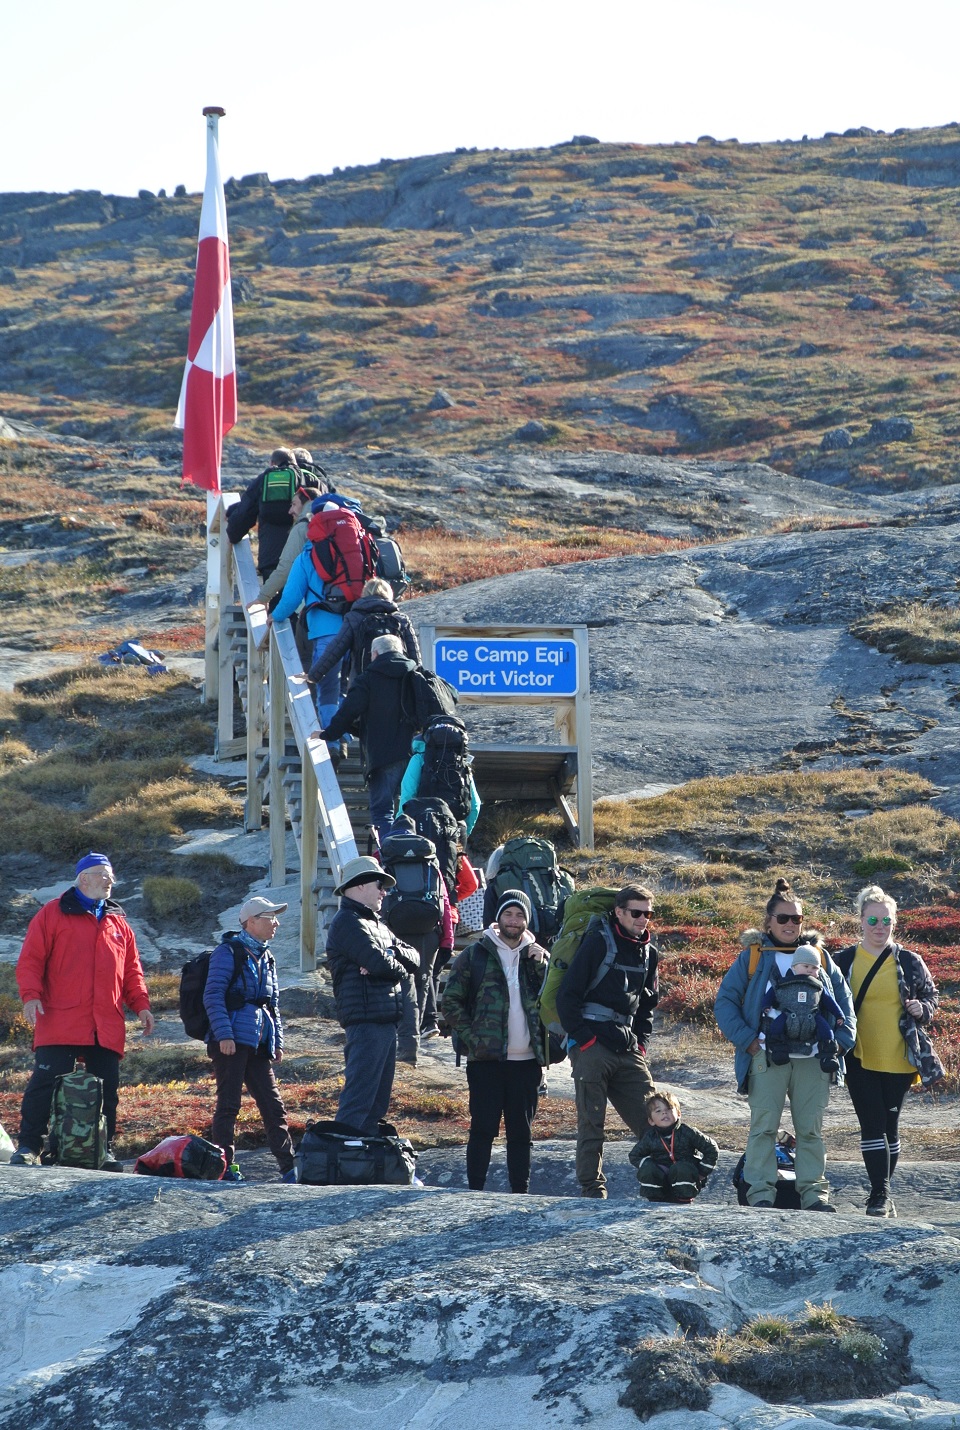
{"x":83,"y":971}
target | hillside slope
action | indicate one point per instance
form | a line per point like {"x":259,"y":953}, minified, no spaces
{"x":789,"y":302}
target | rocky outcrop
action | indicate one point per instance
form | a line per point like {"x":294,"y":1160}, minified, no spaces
{"x":130,"y":1299}
{"x":733,"y":656}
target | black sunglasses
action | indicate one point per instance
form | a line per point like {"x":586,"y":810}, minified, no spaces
{"x":638,"y":913}
{"x":789,"y":918}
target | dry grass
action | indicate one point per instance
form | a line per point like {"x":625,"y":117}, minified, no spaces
{"x":436,"y":559}
{"x":923,"y":631}
{"x":821,"y":1356}
{"x":98,"y":755}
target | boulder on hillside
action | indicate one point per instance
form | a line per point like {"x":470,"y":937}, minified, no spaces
{"x":891,"y":429}
{"x":534,"y":431}
{"x":836,"y":440}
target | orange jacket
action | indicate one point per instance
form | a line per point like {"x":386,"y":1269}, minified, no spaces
{"x":83,"y":971}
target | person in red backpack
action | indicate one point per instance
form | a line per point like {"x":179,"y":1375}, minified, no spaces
{"x":326,"y":578}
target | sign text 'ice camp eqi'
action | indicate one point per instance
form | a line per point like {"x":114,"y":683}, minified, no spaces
{"x":507,"y":667}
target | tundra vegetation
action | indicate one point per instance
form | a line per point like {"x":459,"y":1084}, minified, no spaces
{"x":792,"y":303}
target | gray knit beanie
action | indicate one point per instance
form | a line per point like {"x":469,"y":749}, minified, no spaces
{"x":515,"y":896}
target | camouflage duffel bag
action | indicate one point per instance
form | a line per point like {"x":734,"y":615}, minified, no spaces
{"x":78,"y":1127}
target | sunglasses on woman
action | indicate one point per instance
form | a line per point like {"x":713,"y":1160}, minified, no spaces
{"x":873,"y":921}
{"x":789,"y":918}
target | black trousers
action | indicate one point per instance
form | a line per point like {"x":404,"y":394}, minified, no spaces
{"x":48,"y":1063}
{"x":253,"y":1070}
{"x":509,"y":1091}
{"x":877,"y":1099}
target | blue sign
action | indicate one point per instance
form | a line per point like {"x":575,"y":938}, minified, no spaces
{"x":507,"y":667}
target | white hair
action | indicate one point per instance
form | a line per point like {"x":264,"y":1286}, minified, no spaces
{"x":382,"y":645}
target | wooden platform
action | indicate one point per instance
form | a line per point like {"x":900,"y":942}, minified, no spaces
{"x":535,"y":772}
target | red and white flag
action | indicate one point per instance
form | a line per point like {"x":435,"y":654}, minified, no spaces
{"x":208,"y":396}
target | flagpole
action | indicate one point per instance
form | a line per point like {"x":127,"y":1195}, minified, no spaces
{"x":213,"y":113}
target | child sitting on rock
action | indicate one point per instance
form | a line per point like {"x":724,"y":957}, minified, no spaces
{"x":673,"y":1161}
{"x":799,"y":1012}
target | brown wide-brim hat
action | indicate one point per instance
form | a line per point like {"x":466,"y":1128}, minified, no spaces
{"x":358,"y":871}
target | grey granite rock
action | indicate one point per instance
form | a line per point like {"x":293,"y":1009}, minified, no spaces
{"x":132,"y":1300}
{"x":733,"y":656}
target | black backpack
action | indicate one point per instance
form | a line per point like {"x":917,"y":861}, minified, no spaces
{"x":378,"y":623}
{"x":446,"y":765}
{"x":424,"y":695}
{"x":414,"y":906}
{"x":193,"y":981}
{"x":785,"y":1196}
{"x":434,"y":820}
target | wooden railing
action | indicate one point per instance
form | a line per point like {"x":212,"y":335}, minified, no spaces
{"x":286,"y":762}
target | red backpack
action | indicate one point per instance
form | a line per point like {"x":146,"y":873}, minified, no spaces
{"x":343,"y":553}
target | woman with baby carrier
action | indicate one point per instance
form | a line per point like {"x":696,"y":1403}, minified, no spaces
{"x":766,"y":959}
{"x":894,"y":998}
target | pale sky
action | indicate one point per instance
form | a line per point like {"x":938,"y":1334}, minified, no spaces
{"x":108,"y":94}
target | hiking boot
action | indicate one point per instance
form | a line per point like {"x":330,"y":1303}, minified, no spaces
{"x":762,"y":1204}
{"x":233,"y":1174}
{"x":290,"y":1176}
{"x":598,"y":1193}
{"x":880,"y":1204}
{"x":410,"y":1058}
{"x":23,"y":1157}
{"x":111,"y":1163}
{"x":821,"y":1206}
{"x":431,"y":1032}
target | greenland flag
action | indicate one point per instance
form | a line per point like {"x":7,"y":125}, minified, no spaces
{"x":208,"y":396}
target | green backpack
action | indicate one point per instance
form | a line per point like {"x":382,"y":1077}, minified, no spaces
{"x":78,"y":1127}
{"x":579,"y":912}
{"x":277,"y":490}
{"x":530,"y":865}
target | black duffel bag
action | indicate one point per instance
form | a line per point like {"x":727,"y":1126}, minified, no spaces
{"x":331,"y":1154}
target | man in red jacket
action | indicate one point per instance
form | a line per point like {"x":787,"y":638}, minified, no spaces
{"x":78,"y":966}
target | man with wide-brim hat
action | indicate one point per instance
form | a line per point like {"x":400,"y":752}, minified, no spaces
{"x":368,"y":964}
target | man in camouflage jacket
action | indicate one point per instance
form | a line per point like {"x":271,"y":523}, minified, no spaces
{"x":491,"y":1004}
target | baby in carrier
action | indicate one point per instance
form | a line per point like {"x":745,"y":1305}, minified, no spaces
{"x":798,"y":1012}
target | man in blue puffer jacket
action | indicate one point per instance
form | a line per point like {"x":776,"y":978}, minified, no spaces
{"x":242,"y":999}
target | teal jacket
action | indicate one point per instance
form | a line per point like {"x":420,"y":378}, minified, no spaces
{"x":411,"y":783}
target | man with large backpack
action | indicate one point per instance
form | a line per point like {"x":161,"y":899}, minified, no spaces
{"x":373,"y":704}
{"x":605,"y":1004}
{"x":78,"y":966}
{"x":417,"y":908}
{"x":326,"y":578}
{"x":265,"y":504}
{"x":440,"y":768}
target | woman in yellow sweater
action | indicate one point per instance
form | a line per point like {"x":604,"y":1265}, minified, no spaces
{"x":894,"y":999}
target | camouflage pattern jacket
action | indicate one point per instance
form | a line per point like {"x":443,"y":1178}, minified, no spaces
{"x":476,"y":1003}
